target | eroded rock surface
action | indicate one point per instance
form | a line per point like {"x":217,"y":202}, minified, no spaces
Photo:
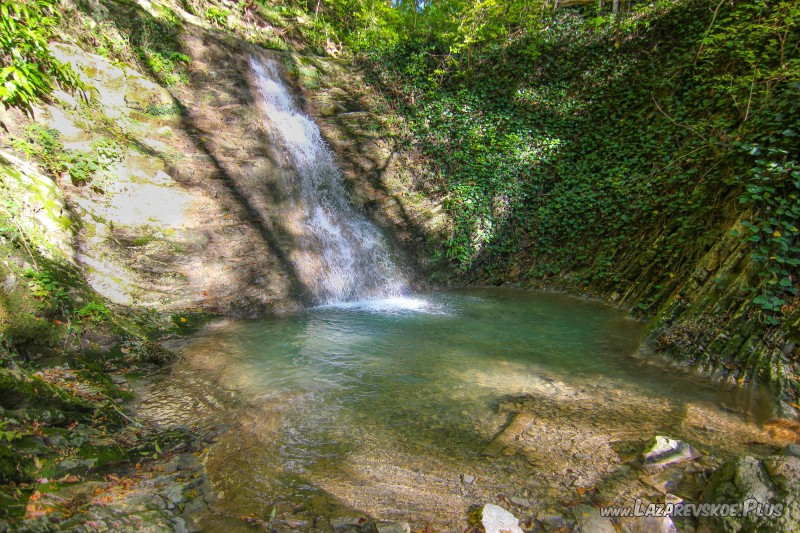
{"x":189,"y":210}
{"x":771,"y":488}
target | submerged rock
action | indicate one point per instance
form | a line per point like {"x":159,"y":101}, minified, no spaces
{"x":664,"y":481}
{"x":495,"y":519}
{"x":588,"y":520}
{"x":520,"y":501}
{"x":664,"y":451}
{"x":550,"y":521}
{"x":648,"y":524}
{"x":394,"y":527}
{"x":352,"y":523}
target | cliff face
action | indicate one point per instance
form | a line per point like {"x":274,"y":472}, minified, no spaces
{"x":705,"y":318}
{"x":186,"y":211}
{"x":708,"y":320}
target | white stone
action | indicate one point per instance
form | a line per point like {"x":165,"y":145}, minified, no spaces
{"x":665,"y":451}
{"x":495,"y":519}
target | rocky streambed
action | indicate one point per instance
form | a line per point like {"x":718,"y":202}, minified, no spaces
{"x":331,"y":429}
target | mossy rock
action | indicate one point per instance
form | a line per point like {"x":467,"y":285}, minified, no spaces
{"x":13,"y":466}
{"x":102,"y":455}
{"x":773,"y":482}
{"x":15,"y":392}
{"x":20,"y":323}
{"x":18,"y":391}
{"x":148,"y":352}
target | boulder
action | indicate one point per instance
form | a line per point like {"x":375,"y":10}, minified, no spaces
{"x":771,"y":486}
{"x":792,"y":450}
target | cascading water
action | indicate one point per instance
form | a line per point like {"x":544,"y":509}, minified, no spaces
{"x":340,"y":255}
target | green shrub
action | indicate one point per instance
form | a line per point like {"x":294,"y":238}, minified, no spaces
{"x":94,"y":311}
{"x":28,"y":71}
{"x":218,"y":16}
{"x":82,"y":167}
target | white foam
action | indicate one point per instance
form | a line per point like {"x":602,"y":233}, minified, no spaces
{"x":390,"y":305}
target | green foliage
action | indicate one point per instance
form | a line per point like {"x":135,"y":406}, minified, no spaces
{"x":85,"y":167}
{"x":82,"y":167}
{"x":44,"y":145}
{"x":592,"y":145}
{"x":8,"y":433}
{"x":130,"y":35}
{"x":773,"y":189}
{"x":750,"y":60}
{"x":154,"y":48}
{"x":45,"y":285}
{"x":164,"y":110}
{"x":28,"y":71}
{"x":94,"y":311}
{"x":218,"y":16}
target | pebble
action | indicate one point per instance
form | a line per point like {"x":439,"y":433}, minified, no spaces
{"x":551,"y":521}
{"x":522,"y":502}
{"x":467,"y":478}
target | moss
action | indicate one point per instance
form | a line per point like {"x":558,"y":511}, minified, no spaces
{"x":95,"y":375}
{"x":21,"y":391}
{"x":29,"y":332}
{"x":14,"y":467}
{"x":103,"y":455}
{"x":14,"y":392}
{"x":147,"y":351}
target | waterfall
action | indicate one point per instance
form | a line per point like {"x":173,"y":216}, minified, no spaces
{"x":340,"y":255}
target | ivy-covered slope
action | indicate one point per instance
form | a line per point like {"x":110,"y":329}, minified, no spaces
{"x":650,"y":157}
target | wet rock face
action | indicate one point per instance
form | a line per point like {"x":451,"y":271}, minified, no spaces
{"x":179,"y":218}
{"x":390,"y":183}
{"x":190,"y":214}
{"x":769,"y":490}
{"x":189,"y":211}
